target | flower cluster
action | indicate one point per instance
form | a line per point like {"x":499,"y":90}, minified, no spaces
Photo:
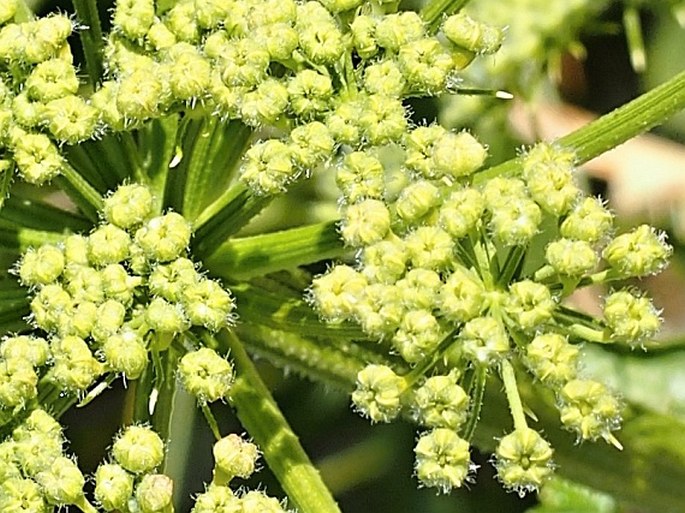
{"x":40,"y":107}
{"x":234,"y":457}
{"x":35,"y":472}
{"x":442,"y":280}
{"x":109,"y":298}
{"x":325,"y":73}
{"x":129,"y":482}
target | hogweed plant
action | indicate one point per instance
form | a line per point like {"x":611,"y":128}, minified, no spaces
{"x":188,"y":119}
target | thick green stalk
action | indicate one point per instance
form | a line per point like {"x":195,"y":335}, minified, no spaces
{"x":433,"y":11}
{"x":248,"y":257}
{"x":81,"y":192}
{"x":645,"y":112}
{"x":260,"y":415}
{"x":91,"y":38}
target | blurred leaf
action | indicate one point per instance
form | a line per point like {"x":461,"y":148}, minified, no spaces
{"x":562,"y":496}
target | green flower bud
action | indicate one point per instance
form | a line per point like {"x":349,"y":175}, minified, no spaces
{"x":311,"y":144}
{"x":7,"y":11}
{"x":279,"y":39}
{"x":80,"y":321}
{"x":461,"y":212}
{"x":169,"y":280}
{"x":125,"y":352}
{"x":35,"y":451}
{"x":9,"y":469}
{"x":384,"y":78}
{"x":425,"y":64}
{"x":530,"y":304}
{"x":631,"y":318}
{"x":244,"y":63}
{"x":160,"y":37}
{"x":548,"y":172}
{"x":365,"y":223}
{"x":74,"y":367}
{"x":211,"y":13}
{"x":118,"y":284}
{"x":363,"y":29}
{"x":440,"y":403}
{"x":523,"y":460}
{"x":472,"y":35}
{"x":588,"y":408}
{"x":70,"y":119}
{"x":189,"y":72}
{"x":182,"y":22}
{"x":430,"y":247}
{"x":206,"y":374}
{"x":380,"y":310}
{"x":18,"y":494}
{"x":255,"y":500}
{"x":641,"y":252}
{"x":361,"y":176}
{"x":571,"y":257}
{"x":378,"y":393}
{"x":110,"y":317}
{"x":62,"y":483}
{"x":484,"y":340}
{"x":51,"y":302}
{"x":419,"y":145}
{"x":321,"y":43}
{"x":589,"y":220}
{"x":133,"y":18}
{"x":85,"y":284}
{"x":33,"y":350}
{"x":138,"y":449}
{"x":461,"y":297}
{"x":265,"y":104}
{"x":419,"y":335}
{"x":552,"y":359}
{"x":165,"y":317}
{"x":41,"y":266}
{"x":51,"y":80}
{"x":235,"y":457}
{"x":108,"y":245}
{"x":310,"y":93}
{"x":457,"y":155}
{"x":164,"y":238}
{"x":38,"y":159}
{"x":26,"y":113}
{"x":113,"y":486}
{"x":343,"y":123}
{"x":18,"y":381}
{"x":217,"y":499}
{"x":140,"y":95}
{"x":419,"y":289}
{"x":396,"y":30}
{"x":517,"y":222}
{"x":268,"y":167}
{"x":384,"y":261}
{"x":207,"y":304}
{"x":336,"y":6}
{"x":128,"y":206}
{"x":416,"y":201}
{"x":442,"y":459}
{"x":154,"y":494}
{"x":383,"y":119}
{"x":499,"y":192}
{"x":336,"y":293}
{"x":105,"y":101}
{"x":76,"y":250}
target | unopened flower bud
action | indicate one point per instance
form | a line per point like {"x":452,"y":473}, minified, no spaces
{"x":32,"y":349}
{"x":548,"y":172}
{"x":588,"y":408}
{"x":256,"y":500}
{"x":551,"y":359}
{"x":165,"y":237}
{"x":41,"y":266}
{"x":108,"y":245}
{"x":138,"y":449}
{"x":461,"y":212}
{"x":206,"y":374}
{"x":395,"y":30}
{"x":641,"y":252}
{"x":589,"y":220}
{"x":235,"y":457}
{"x":456,"y":155}
{"x":165,"y":317}
{"x":360,"y":176}
{"x":571,"y":257}
{"x":154,"y":494}
{"x":128,"y":206}
{"x":472,"y":35}
{"x":378,"y":392}
{"x":125,"y":352}
{"x":440,"y":403}
{"x":113,"y":486}
{"x":631,"y":318}
{"x":416,"y":201}
{"x":530,"y":304}
{"x":336,"y":293}
{"x":365,"y":223}
{"x":419,"y":335}
{"x":523,"y":460}
{"x":484,"y":340}
{"x":442,"y":459}
{"x":461,"y":297}
{"x":61,"y":483}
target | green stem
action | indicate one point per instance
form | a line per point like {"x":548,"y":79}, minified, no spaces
{"x":260,"y":415}
{"x":513,"y":397}
{"x":477,"y":393}
{"x":433,"y":11}
{"x":86,"y":196}
{"x":245,"y":258}
{"x":211,"y":421}
{"x":23,"y":238}
{"x":645,"y":112}
{"x":91,"y":38}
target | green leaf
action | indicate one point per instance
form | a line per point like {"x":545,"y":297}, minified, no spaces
{"x":562,"y":496}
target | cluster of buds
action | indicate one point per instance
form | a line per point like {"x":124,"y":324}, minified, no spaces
{"x":129,"y":483}
{"x":40,"y":105}
{"x":35,"y":473}
{"x":234,"y":457}
{"x":326,"y":73}
{"x":443,"y":281}
{"x":109,"y":298}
